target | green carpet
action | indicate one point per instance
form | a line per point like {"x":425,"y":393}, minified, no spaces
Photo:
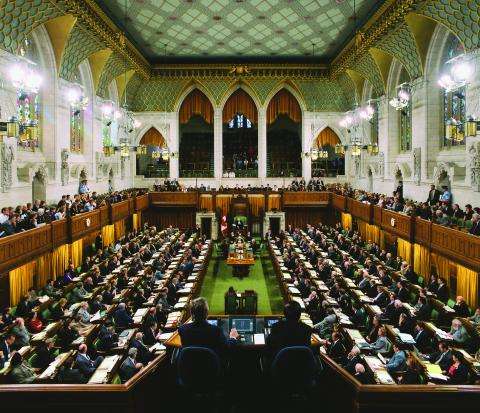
{"x":260,"y":279}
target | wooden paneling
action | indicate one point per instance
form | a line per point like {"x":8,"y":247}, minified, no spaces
{"x":141,"y":202}
{"x":360,"y":210}
{"x":59,"y":232}
{"x":339,"y":202}
{"x":23,"y":247}
{"x":423,"y":232}
{"x":456,"y":245}
{"x":306,"y":198}
{"x":119,"y":211}
{"x":131,"y":205}
{"x":84,"y":224}
{"x":104,"y":215}
{"x":299,"y":217}
{"x":377,"y":215}
{"x":174,"y":198}
{"x":399,"y":224}
{"x":180,"y":217}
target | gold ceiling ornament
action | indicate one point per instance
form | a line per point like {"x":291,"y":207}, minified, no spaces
{"x":95,"y":20}
{"x":239,"y":70}
{"x":390,"y":17}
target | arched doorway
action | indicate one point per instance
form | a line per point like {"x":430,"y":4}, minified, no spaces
{"x":151,"y":161}
{"x":284,"y":142}
{"x":332,"y":164}
{"x":240,"y":136}
{"x":196,"y":136}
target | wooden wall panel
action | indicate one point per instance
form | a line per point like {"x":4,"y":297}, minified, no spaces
{"x":104,"y":215}
{"x":59,"y":233}
{"x":339,"y":202}
{"x":181,"y":217}
{"x":457,"y":245}
{"x":306,"y":198}
{"x":360,"y":210}
{"x":141,"y":202}
{"x":174,"y":198}
{"x":423,"y":232}
{"x":399,"y":224}
{"x":119,"y":211}
{"x":23,"y":247}
{"x":299,"y":217}
{"x":84,"y":224}
{"x":377,"y":215}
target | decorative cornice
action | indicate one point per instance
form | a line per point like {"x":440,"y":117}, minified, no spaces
{"x":390,"y":17}
{"x":298,"y":71}
{"x":96,"y":21}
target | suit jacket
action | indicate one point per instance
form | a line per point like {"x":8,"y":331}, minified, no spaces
{"x":127,"y":369}
{"x":433,"y":196}
{"x":444,"y":360}
{"x":337,"y":351}
{"x":203,"y":334}
{"x":22,"y":374}
{"x":424,"y":312}
{"x":122,"y":318}
{"x":144,"y":355}
{"x":475,"y":230}
{"x":85,"y":364}
{"x":5,"y":349}
{"x":422,"y":341}
{"x":442,"y":293}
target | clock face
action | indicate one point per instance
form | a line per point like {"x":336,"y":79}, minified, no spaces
{"x":392,"y":222}
{"x":87,"y":222}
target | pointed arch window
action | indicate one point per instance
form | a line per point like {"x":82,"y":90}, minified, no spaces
{"x":454,"y":107}
{"x":240,"y":121}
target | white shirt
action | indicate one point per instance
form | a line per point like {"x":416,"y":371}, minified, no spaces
{"x":3,"y":218}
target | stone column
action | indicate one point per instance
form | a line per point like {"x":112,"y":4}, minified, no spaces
{"x":218,"y":143}
{"x":174,"y":133}
{"x":262,"y":143}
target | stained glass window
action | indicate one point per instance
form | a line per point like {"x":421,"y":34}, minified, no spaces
{"x":453,"y":101}
{"x":240,"y":121}
{"x":76,"y":129}
{"x":28,"y":107}
{"x":374,"y":124}
{"x":405,"y":115}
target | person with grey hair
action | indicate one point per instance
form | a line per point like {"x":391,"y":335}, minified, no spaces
{"x":201,"y":333}
{"x":130,"y":367}
{"x":475,"y":229}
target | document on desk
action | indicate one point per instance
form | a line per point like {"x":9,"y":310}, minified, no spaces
{"x":259,"y":339}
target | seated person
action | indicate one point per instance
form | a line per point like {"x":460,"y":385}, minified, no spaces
{"x":398,"y":362}
{"x":144,"y":355}
{"x":78,"y":293}
{"x":22,"y":336}
{"x":130,"y":367}
{"x":21,"y":373}
{"x":475,"y":318}
{"x":6,"y":348}
{"x":458,"y":332}
{"x":422,"y":339}
{"x":85,"y":364}
{"x":201,"y":333}
{"x":461,"y":307}
{"x":45,"y":354}
{"x":353,"y":358}
{"x":290,"y":331}
{"x":361,"y":375}
{"x":458,"y":371}
{"x":381,"y":344}
{"x":411,"y":375}
{"x":443,"y":357}
{"x":69,"y":374}
{"x":336,"y":349}
{"x":122,"y":317}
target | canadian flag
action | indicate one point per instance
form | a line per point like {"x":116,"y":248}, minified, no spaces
{"x":224,"y":226}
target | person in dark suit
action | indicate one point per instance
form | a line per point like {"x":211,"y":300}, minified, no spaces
{"x":443,"y":357}
{"x":84,"y":363}
{"x":202,"y":334}
{"x":433,"y":195}
{"x":475,"y":230}
{"x":458,"y":371}
{"x":361,"y":375}
{"x":68,"y":374}
{"x":6,"y":349}
{"x":45,"y":354}
{"x":353,"y":358}
{"x":461,"y":307}
{"x":399,"y":191}
{"x":144,"y":354}
{"x":289,"y":332}
{"x":424,"y":310}
{"x":422,"y":339}
{"x":122,"y":317}
{"x":130,"y":366}
{"x":442,"y":291}
{"x":402,"y":292}
{"x":336,"y":349}
{"x":411,"y":374}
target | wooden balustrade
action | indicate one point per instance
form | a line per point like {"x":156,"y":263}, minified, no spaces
{"x":377,"y":215}
{"x":423,"y":232}
{"x":339,"y":202}
{"x":141,"y":202}
{"x":84,"y":224}
{"x":174,"y":199}
{"x":119,"y":211}
{"x":360,"y":210}
{"x":398,"y":224}
{"x":306,"y":199}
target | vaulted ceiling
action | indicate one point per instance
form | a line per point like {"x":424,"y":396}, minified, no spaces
{"x":189,"y":30}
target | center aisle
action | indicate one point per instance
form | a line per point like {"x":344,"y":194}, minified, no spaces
{"x":261,"y":279}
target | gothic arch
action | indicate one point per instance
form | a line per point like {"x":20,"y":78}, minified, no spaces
{"x":394,"y":77}
{"x":311,"y":139}
{"x":247,"y":89}
{"x":145,"y":128}
{"x":289,"y":88}
{"x":189,"y":88}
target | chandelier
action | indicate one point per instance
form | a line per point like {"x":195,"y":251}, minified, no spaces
{"x":78,"y":101}
{"x":402,"y":99}
{"x":23,"y":73}
{"x":458,"y":72}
